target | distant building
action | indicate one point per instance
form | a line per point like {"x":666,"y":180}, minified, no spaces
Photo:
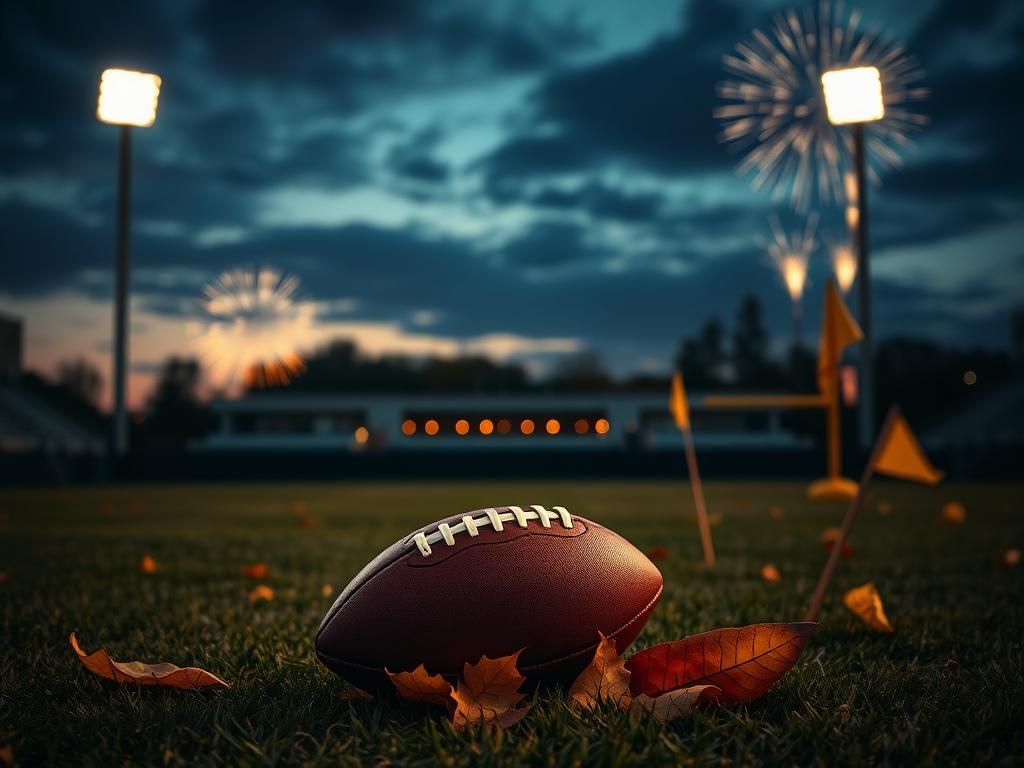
{"x":535,"y":421}
{"x":10,"y":346}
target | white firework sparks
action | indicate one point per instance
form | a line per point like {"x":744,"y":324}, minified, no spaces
{"x":774,"y":108}
{"x":255,"y":324}
{"x":791,"y":253}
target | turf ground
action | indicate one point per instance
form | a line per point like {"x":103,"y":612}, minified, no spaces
{"x":945,"y":689}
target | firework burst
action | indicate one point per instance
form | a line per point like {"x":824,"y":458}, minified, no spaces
{"x":254,"y":325}
{"x":791,"y":253}
{"x":773,"y":107}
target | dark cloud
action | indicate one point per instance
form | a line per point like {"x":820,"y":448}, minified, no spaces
{"x":603,"y":202}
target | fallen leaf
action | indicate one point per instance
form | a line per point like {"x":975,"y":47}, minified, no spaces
{"x":7,"y":756}
{"x":261,"y":593}
{"x":140,"y":673}
{"x":605,"y":679}
{"x":354,"y":694}
{"x":830,"y":536}
{"x":326,"y":590}
{"x":775,"y":511}
{"x":885,"y":507}
{"x":742,"y":661}
{"x":953,"y":512}
{"x":867,"y":603}
{"x":147,"y":564}
{"x":420,"y":685}
{"x":256,"y":571}
{"x":673,"y":704}
{"x":489,"y":692}
{"x":770,"y":573}
{"x":658,"y":553}
{"x":1010,"y":556}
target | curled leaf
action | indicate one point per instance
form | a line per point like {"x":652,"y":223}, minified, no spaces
{"x":261,"y":594}
{"x":742,"y":661}
{"x":140,"y":673}
{"x":953,"y":512}
{"x":605,"y":679}
{"x":867,"y":604}
{"x":420,"y":685}
{"x":147,"y":564}
{"x":488,"y":693}
{"x":770,"y":573}
{"x":256,"y":571}
{"x":673,"y":704}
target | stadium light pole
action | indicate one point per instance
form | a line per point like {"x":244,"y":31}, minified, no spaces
{"x":126,"y":99}
{"x":854,"y":97}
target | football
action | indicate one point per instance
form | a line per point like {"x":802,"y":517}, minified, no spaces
{"x":490,"y":582}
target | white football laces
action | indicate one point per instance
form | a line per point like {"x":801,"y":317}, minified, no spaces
{"x":493,"y":518}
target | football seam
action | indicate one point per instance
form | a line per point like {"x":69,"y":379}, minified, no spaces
{"x":533,"y":667}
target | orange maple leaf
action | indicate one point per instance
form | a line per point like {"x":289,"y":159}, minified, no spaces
{"x":1010,"y":556}
{"x":605,"y":679}
{"x":261,"y":593}
{"x":256,"y":571}
{"x":148,"y":564}
{"x":669,"y":706}
{"x":742,"y":661}
{"x":420,"y":685}
{"x":140,"y":673}
{"x":953,"y":512}
{"x":770,"y":573}
{"x":867,"y":604}
{"x":489,"y":692}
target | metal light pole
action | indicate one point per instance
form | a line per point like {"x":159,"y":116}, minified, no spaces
{"x":126,"y":99}
{"x":854,"y":97}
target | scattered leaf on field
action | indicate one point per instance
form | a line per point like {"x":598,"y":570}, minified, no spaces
{"x":867,"y":603}
{"x":830,"y":536}
{"x":775,"y":511}
{"x":770,"y":573}
{"x":1010,"y":556}
{"x":420,"y":685}
{"x":261,"y":593}
{"x":489,"y":692}
{"x":326,"y":590}
{"x":673,"y":704}
{"x":953,"y":512}
{"x":140,"y":673}
{"x":885,"y":507}
{"x":354,"y":694}
{"x":605,"y":679}
{"x":256,"y":571}
{"x":7,"y":756}
{"x":742,"y":661}
{"x":147,"y":564}
{"x":658,"y":553}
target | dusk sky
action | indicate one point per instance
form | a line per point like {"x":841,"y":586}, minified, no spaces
{"x":520,"y":179}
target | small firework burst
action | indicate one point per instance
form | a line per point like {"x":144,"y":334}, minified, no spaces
{"x":791,"y":252}
{"x":773,"y":106}
{"x":254,"y":326}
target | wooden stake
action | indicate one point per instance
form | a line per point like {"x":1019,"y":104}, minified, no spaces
{"x":698,"y":499}
{"x":814,"y":609}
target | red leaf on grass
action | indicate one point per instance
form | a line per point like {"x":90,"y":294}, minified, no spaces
{"x":742,"y":661}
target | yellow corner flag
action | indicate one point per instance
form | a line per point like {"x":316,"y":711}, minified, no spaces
{"x":900,"y":455}
{"x":677,"y":404}
{"x":838,"y":331}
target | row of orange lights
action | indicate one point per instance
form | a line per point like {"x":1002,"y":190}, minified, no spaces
{"x":503,"y":427}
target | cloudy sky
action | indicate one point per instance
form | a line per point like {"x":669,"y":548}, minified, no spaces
{"x":521,"y":178}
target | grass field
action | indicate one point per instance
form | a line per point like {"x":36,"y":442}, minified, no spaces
{"x":945,"y":689}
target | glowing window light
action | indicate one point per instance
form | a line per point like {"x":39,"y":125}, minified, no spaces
{"x":128,"y":98}
{"x":362,"y":435}
{"x":504,"y":426}
{"x":408,"y":427}
{"x":844,"y":264}
{"x":462,"y":427}
{"x":431,"y":427}
{"x":601,"y":426}
{"x":526,"y":426}
{"x":553,"y":427}
{"x":486,"y":427}
{"x":581,"y":426}
{"x":853,"y":95}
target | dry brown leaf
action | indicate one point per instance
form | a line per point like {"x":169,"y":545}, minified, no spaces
{"x":488,"y":693}
{"x":605,"y":679}
{"x":770,"y":573}
{"x":867,"y":603}
{"x":326,"y":590}
{"x":148,"y":564}
{"x":775,"y":512}
{"x":420,"y":685}
{"x":674,"y":704}
{"x":261,"y":593}
{"x":140,"y":673}
{"x":354,"y":694}
{"x":1011,"y":556}
{"x":658,"y":553}
{"x":830,"y":536}
{"x":742,"y":661}
{"x":256,"y":571}
{"x":953,"y":512}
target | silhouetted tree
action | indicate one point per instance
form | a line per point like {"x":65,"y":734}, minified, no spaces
{"x":580,"y":372}
{"x":80,"y":379}
{"x":702,"y":360}
{"x":175,"y":412}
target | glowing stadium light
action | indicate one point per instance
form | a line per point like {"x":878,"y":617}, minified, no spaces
{"x":128,"y":98}
{"x":581,"y":426}
{"x":844,"y":264}
{"x":362,"y":435}
{"x":553,"y":427}
{"x":853,"y":95}
{"x":602,"y":426}
{"x":504,"y":426}
{"x":408,"y":427}
{"x":486,"y":427}
{"x":462,"y":427}
{"x":431,"y":427}
{"x":526,"y":426}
